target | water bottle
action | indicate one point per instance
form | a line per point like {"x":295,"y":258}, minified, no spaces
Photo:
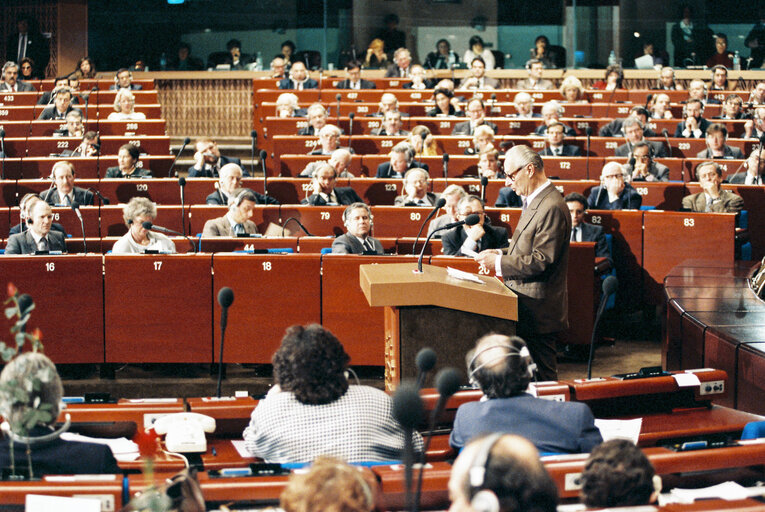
{"x":736,"y":61}
{"x":612,"y":58}
{"x":259,"y":63}
{"x":163,"y":62}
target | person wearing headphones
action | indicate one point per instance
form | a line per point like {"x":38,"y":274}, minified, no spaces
{"x":298,"y":78}
{"x":401,"y":160}
{"x":634,"y":132}
{"x":25,"y":212}
{"x":241,"y":205}
{"x":755,"y":169}
{"x":324,"y":191}
{"x":62,"y":105}
{"x":39,"y":236}
{"x":467,"y":240}
{"x":697,"y":90}
{"x":524,"y":106}
{"x":358,"y":220}
{"x":717,"y":135}
{"x":353,"y":78}
{"x":138,"y":239}
{"x":416,"y":185}
{"x":712,"y":197}
{"x":755,"y":127}
{"x":317,"y":119}
{"x":642,"y":166}
{"x":720,"y":79}
{"x":73,"y":126}
{"x":616,"y":127}
{"x":693,"y":126}
{"x":666,"y":80}
{"x":478,"y":78}
{"x":476,"y":112}
{"x":208,"y":161}
{"x":552,"y":112}
{"x":124,"y":80}
{"x":502,"y":368}
{"x":534,"y":81}
{"x":329,"y":140}
{"x":614,"y":193}
{"x":501,"y":473}
{"x":391,"y":126}
{"x":65,"y":193}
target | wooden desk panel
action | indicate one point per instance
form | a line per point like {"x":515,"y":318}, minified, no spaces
{"x":15,"y":129}
{"x":397,"y":221}
{"x":153,"y":111}
{"x":141,"y":97}
{"x":231,"y":415}
{"x":76,"y":334}
{"x":131,"y":128}
{"x":11,"y":168}
{"x":297,"y":277}
{"x":41,"y":167}
{"x":294,"y":190}
{"x":751,"y":359}
{"x":159,"y":164}
{"x":150,"y":144}
{"x":46,"y":146}
{"x":18,"y":99}
{"x":109,"y":492}
{"x":318,"y":220}
{"x":164,"y":191}
{"x":158,"y":308}
{"x":8,"y":197}
{"x":226,"y":244}
{"x":46,"y":128}
{"x":378,"y":192}
{"x":19,"y":113}
{"x":293,"y":165}
{"x":141,"y":412}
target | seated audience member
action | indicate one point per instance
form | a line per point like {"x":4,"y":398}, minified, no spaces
{"x":543,"y":52}
{"x":401,"y":67}
{"x":720,"y":79}
{"x":391,"y":125}
{"x":25,"y":213}
{"x":185,"y":61}
{"x":327,"y":415}
{"x":124,"y":80}
{"x":443,"y":57}
{"x":401,"y":160}
{"x":288,"y":51}
{"x":89,"y":146}
{"x":236,"y":222}
{"x":755,"y":170}
{"x":317,"y":119}
{"x":388,"y":102}
{"x":46,"y":97}
{"x":419,"y":81}
{"x":507,"y":197}
{"x":416,"y":184}
{"x":755,"y":127}
{"x":27,"y":70}
{"x":717,"y":135}
{"x":208,"y":161}
{"x":467,"y":240}
{"x":353,"y":78}
{"x":323,"y":190}
{"x":329,"y":141}
{"x":660,"y":106}
{"x":642,"y":166}
{"x":330,"y":485}
{"x":551,"y":113}
{"x":502,"y":367}
{"x":512,"y":478}
{"x":488,"y":164}
{"x":618,"y":474}
{"x":649,"y":51}
{"x":483,"y":137}
{"x":732,"y":108}
{"x":422,"y":141}
{"x":235,"y":58}
{"x":534,"y":81}
{"x":712,"y":198}
{"x":73,"y":126}
{"x":65,"y":193}
{"x":298,"y":78}
{"x":138,"y":239}
{"x":229,"y":180}
{"x":697,"y":90}
{"x":613,"y":193}
{"x":757,"y":95}
{"x":693,"y":126}
{"x":38,"y":442}
{"x":634,"y":132}
{"x":524,"y":106}
{"x":616,"y":127}
{"x":278,"y":68}
{"x":478,"y":78}
{"x":39,"y":236}
{"x":287,"y":106}
{"x":340,"y":160}
{"x":476,"y":111}
{"x":446,"y":104}
{"x":124,"y":107}
{"x":582,"y":231}
{"x":62,"y":105}
{"x":614,"y":79}
{"x":572,"y":90}
{"x":127,"y":164}
{"x":376,"y":57}
{"x":86,"y":68}
{"x":667,"y":80}
{"x":477,"y":48}
{"x":555,"y":142}
{"x":452,"y":194}
{"x":11,"y":82}
{"x":357,"y":239}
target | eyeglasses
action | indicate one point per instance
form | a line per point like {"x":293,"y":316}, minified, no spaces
{"x":514,"y":175}
{"x":614,"y":177}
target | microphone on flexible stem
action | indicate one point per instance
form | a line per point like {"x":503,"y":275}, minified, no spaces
{"x":263,"y":156}
{"x":48,"y":192}
{"x":445,"y":159}
{"x":182,"y":184}
{"x":484,"y":182}
{"x":254,"y":141}
{"x":609,"y":287}
{"x":439,"y":204}
{"x":152,"y":227}
{"x":2,"y":150}
{"x":588,"y":132}
{"x":104,"y":200}
{"x":448,"y":382}
{"x":338,"y":97}
{"x":87,"y":101}
{"x":669,"y":148}
{"x":408,"y":410}
{"x":76,"y":208}
{"x":170,"y":171}
{"x":494,"y":109}
{"x":425,"y":361}
{"x":610,"y":99}
{"x":351,"y":115}
{"x":225,"y":299}
{"x":470,"y":220}
{"x":296,"y":222}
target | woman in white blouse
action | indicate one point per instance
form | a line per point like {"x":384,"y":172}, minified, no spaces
{"x":477,"y":50}
{"x":138,"y":239}
{"x":124,"y":107}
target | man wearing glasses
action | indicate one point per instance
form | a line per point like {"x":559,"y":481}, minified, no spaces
{"x":467,"y":240}
{"x":534,"y":266}
{"x":613,"y":193}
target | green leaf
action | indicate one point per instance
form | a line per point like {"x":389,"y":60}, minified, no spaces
{"x":10,"y":312}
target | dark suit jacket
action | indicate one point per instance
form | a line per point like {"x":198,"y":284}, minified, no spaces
{"x":658,"y":149}
{"x":394,"y":71}
{"x":222,"y":227}
{"x":140,"y":172}
{"x":729,"y":202}
{"x":507,"y":198}
{"x":542,"y":130}
{"x":384,"y":169}
{"x":23,"y":243}
{"x":286,"y":83}
{"x":703,"y":124}
{"x":365,"y":84}
{"x":208,"y":173}
{"x":53,"y":227}
{"x":593,"y":233}
{"x":659,"y":171}
{"x":345,"y":195}
{"x":728,"y":152}
{"x":614,"y":129}
{"x":568,"y":150}
{"x":534,"y":266}
{"x":218,"y":199}
{"x":133,"y":87}
{"x":628,"y":199}
{"x":82,"y":196}
{"x":49,"y":113}
{"x":349,"y":244}
{"x":401,"y":200}
{"x":493,"y":238}
{"x":429,"y":84}
{"x":22,"y":86}
{"x":38,"y":49}
{"x":740,"y":178}
{"x":382,"y":133}
{"x":463,"y":128}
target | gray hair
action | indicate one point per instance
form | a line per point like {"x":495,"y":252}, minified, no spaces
{"x":120,"y":94}
{"x":329,"y":129}
{"x":524,"y":155}
{"x":138,"y":206}
{"x":20,"y":372}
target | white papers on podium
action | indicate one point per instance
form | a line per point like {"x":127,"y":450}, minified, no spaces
{"x":465,"y":276}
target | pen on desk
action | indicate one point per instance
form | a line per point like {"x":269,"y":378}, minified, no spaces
{"x":214,"y":451}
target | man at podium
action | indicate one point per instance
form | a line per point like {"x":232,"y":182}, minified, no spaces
{"x":534,"y":266}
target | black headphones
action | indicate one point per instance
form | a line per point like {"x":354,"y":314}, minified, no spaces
{"x":511,"y":351}
{"x":482,"y":500}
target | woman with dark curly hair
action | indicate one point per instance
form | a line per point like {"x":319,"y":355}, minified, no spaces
{"x":312,"y":410}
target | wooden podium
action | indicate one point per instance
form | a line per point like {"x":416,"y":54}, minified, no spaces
{"x":434,"y":309}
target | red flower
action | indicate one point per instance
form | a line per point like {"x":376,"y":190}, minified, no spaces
{"x":147,"y":441}
{"x":12,"y":290}
{"x":37,"y":333}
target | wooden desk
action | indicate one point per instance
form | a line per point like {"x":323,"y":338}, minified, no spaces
{"x":107,"y":489}
{"x":141,"y":412}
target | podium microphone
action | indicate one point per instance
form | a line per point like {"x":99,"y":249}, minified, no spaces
{"x":76,"y":208}
{"x":425,"y":361}
{"x":225,"y":299}
{"x":182,"y":184}
{"x":609,"y":287}
{"x":439,"y":204}
{"x":470,"y":220}
{"x":408,"y":410}
{"x":170,"y":171}
{"x":152,"y":227}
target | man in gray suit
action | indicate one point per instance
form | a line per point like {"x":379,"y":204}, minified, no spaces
{"x":478,"y":78}
{"x":755,"y":169}
{"x":65,"y":193}
{"x":358,"y":222}
{"x":241,"y":205}
{"x":712,"y":198}
{"x":38,"y":237}
{"x":11,"y":81}
{"x":535,"y":264}
{"x":324,"y":191}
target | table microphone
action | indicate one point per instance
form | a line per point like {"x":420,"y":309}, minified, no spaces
{"x":254,"y":137}
{"x":76,"y":208}
{"x":182,"y":184}
{"x":338,"y":97}
{"x":225,"y":299}
{"x":610,"y":284}
{"x":87,"y":100}
{"x":351,"y":115}
{"x":104,"y":200}
{"x":484,"y":183}
{"x":439,"y":204}
{"x":446,"y":166}
{"x":263,"y":155}
{"x":470,"y":220}
{"x":170,"y":171}
{"x":152,"y":227}
{"x":425,"y":361}
{"x":408,"y":410}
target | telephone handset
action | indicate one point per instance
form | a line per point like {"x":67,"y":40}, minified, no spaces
{"x":185,"y":431}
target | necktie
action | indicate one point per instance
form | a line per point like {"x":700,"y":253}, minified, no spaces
{"x":42,"y":245}
{"x":573,"y":234}
{"x":238,"y":229}
{"x":22,"y":47}
{"x":367,"y":245}
{"x":525,"y":205}
{"x":67,"y":201}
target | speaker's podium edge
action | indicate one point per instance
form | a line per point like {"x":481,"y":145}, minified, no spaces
{"x":434,"y":309}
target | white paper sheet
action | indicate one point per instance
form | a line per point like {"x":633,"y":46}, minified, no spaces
{"x":620,"y":429}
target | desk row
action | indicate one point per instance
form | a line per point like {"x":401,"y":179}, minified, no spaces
{"x":36,"y":167}
{"x":20,"y":147}
{"x":19,"y":129}
{"x":103,"y":86}
{"x":101,"y":111}
{"x":41,"y":99}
